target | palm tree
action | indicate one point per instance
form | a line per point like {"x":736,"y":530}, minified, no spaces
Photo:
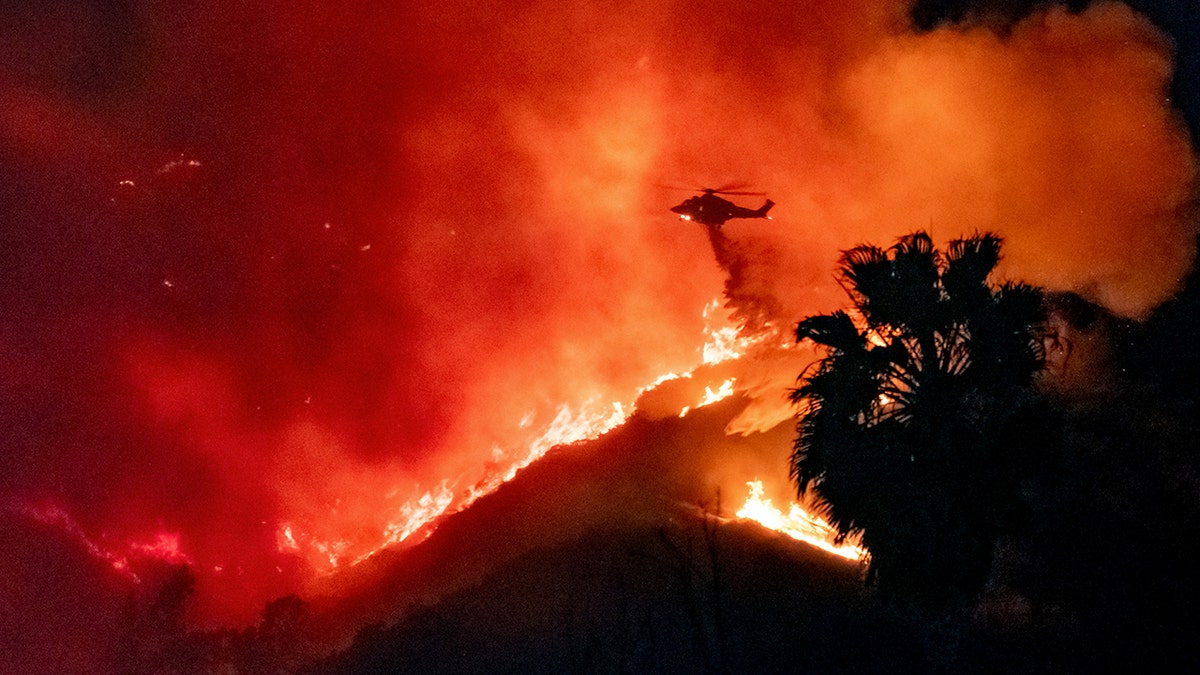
{"x":907,"y":425}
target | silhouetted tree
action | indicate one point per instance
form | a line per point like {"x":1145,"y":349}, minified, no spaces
{"x":155,"y":637}
{"x":279,"y":641}
{"x":909,"y":423}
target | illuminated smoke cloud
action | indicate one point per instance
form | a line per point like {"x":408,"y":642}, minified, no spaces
{"x":1054,"y":133}
{"x":289,"y":265}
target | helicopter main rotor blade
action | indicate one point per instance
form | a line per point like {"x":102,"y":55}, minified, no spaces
{"x":736,"y":185}
{"x":729,"y":189}
{"x":735,"y":188}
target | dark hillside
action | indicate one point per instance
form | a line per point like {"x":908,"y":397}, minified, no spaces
{"x":645,"y":599}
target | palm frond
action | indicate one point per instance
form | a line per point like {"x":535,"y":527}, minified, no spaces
{"x":916,"y":263}
{"x":863,"y":272}
{"x":969,"y":263}
{"x":905,"y":290}
{"x":976,"y":255}
{"x":915,"y":245}
{"x":836,"y":331}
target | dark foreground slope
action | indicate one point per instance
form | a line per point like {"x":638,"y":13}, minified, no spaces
{"x":692,"y":595}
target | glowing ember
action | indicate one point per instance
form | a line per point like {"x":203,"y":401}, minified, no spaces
{"x":165,"y":547}
{"x":796,"y":523}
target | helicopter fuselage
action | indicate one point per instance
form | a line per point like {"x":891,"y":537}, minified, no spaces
{"x":709,"y":209}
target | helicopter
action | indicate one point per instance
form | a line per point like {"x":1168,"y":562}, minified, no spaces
{"x":707,"y":208}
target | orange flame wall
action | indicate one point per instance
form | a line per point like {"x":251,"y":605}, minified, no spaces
{"x":291,"y":264}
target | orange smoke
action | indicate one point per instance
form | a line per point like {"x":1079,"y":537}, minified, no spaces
{"x":1055,"y":135}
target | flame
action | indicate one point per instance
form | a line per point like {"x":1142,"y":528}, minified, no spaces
{"x":711,"y":396}
{"x":725,"y":340}
{"x":165,"y":547}
{"x":419,"y":515}
{"x":722,"y":392}
{"x":797,"y":523}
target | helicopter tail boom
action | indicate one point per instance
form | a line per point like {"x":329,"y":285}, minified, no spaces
{"x":762,"y":210}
